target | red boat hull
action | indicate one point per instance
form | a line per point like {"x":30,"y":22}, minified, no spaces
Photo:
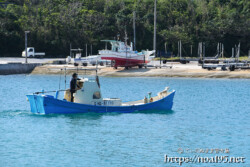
{"x":123,"y":62}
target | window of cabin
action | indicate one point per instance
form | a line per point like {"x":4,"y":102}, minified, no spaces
{"x":31,"y":50}
{"x":97,"y":95}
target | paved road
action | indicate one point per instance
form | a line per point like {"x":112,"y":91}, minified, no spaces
{"x":4,"y":60}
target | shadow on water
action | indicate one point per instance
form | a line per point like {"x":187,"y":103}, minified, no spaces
{"x":87,"y":116}
{"x":95,"y":116}
{"x":78,"y":116}
{"x":160,"y":112}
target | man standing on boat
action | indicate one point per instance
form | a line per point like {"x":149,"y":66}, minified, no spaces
{"x":73,"y":85}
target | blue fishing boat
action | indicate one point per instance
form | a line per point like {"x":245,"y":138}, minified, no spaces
{"x":88,"y":98}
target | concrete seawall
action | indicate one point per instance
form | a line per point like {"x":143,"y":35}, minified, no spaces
{"x":17,"y":68}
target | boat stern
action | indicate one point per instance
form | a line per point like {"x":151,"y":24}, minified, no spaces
{"x":36,"y":104}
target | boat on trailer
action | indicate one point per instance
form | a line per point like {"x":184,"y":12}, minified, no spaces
{"x":124,"y":55}
{"x":88,"y":98}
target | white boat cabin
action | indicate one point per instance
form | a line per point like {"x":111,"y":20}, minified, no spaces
{"x":90,"y":93}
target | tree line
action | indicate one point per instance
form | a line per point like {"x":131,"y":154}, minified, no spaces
{"x":55,"y":24}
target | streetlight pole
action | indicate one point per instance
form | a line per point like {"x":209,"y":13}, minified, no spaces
{"x":155,"y":17}
{"x":26,"y":32}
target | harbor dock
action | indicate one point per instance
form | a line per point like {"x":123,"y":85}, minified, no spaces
{"x":9,"y":65}
{"x":17,"y":68}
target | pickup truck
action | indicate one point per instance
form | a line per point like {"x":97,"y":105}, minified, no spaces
{"x":31,"y":53}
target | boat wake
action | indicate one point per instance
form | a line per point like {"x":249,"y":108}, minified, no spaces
{"x":15,"y":113}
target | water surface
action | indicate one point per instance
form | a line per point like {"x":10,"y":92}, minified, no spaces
{"x":207,"y":114}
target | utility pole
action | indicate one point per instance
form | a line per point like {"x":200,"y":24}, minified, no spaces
{"x":203,"y":49}
{"x":154,"y":47}
{"x":134,"y":16}
{"x":165,"y":48}
{"x":232,"y":52}
{"x":191,"y":50}
{"x":200,"y":52}
{"x":86,"y":50}
{"x":70,"y":50}
{"x":238,"y":52}
{"x":91,"y":49}
{"x":26,"y":32}
{"x":222,"y":51}
{"x":180,"y":50}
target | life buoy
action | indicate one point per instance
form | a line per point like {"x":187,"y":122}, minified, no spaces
{"x":151,"y":99}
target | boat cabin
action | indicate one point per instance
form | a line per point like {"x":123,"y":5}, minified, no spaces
{"x":90,"y":93}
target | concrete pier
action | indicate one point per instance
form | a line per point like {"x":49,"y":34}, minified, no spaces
{"x":17,"y":68}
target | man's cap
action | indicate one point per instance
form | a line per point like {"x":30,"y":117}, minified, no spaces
{"x":74,"y":75}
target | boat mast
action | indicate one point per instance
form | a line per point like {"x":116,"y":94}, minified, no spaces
{"x":126,"y":38}
{"x":155,"y":28}
{"x":134,"y":15}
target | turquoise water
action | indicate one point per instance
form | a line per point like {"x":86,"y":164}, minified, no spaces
{"x":207,"y":114}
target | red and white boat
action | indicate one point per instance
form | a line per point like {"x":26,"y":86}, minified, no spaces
{"x":124,"y":56}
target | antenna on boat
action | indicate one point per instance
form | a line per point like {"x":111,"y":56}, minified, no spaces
{"x":96,"y":67}
{"x":65,"y":76}
{"x":97,"y":78}
{"x":60,"y":79}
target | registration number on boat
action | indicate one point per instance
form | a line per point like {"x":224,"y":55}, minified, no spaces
{"x":104,"y":103}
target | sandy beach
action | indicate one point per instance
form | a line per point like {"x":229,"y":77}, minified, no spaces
{"x":191,"y":70}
